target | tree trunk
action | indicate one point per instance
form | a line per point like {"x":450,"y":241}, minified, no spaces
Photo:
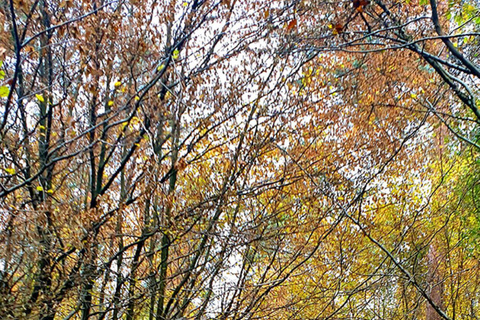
{"x":434,"y":282}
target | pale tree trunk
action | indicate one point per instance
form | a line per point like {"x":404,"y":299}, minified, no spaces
{"x":434,"y":282}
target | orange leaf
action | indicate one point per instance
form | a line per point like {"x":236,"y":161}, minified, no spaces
{"x":292,"y":24}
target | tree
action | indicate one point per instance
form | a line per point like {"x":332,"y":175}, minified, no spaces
{"x":384,"y":53}
{"x":236,"y":159}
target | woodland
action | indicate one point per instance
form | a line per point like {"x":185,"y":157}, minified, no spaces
{"x":239,"y":159}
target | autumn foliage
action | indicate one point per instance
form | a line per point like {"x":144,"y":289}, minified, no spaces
{"x":241,"y":159}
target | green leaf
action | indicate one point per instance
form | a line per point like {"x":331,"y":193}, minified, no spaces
{"x":4,"y":91}
{"x":458,"y":19}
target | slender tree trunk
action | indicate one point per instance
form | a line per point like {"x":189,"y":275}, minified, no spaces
{"x":131,"y":290}
{"x":43,"y":282}
{"x":167,"y":217}
{"x":119,"y":233}
{"x":435,"y":282}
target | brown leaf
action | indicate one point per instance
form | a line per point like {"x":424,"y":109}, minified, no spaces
{"x":360,"y":4}
{"x":337,"y":28}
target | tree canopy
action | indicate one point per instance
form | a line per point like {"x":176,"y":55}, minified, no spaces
{"x":239,"y":159}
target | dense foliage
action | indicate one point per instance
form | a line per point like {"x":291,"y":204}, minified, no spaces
{"x":239,"y":159}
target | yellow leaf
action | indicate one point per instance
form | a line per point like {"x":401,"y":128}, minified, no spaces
{"x":41,"y":127}
{"x":50,"y":191}
{"x":160,"y":67}
{"x":4,"y":91}
{"x":175,"y":54}
{"x":40,"y":97}
{"x":185,"y":4}
{"x":117,"y":84}
{"x":137,"y":98}
{"x":135,"y":120}
{"x":39,"y":188}
{"x":110,"y":103}
{"x":413,"y":95}
{"x":10,"y":171}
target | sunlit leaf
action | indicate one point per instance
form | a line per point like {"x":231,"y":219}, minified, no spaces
{"x":40,"y":97}
{"x":4,"y":91}
{"x":175,"y":54}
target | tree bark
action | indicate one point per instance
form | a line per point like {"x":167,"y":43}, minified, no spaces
{"x":434,"y":282}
